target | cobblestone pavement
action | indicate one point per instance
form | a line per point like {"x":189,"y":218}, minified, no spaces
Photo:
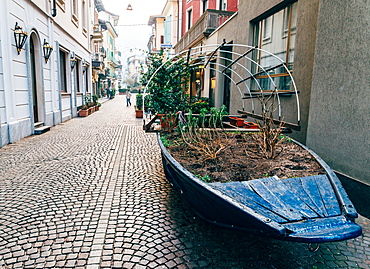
{"x":91,"y":193}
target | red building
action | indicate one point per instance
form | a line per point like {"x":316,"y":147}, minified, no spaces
{"x":192,"y":10}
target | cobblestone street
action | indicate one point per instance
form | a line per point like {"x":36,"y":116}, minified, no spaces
{"x":91,"y":193}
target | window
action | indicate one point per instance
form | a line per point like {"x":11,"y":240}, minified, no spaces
{"x":162,"y":39}
{"x":276,"y":34}
{"x":75,"y":12}
{"x":74,"y":8}
{"x":87,"y":80}
{"x":167,"y":30}
{"x":61,"y":4}
{"x":204,"y":5}
{"x":77,"y":74}
{"x":222,"y":4}
{"x":62,"y":71}
{"x":84,"y":18}
{"x":189,"y":18}
{"x":267,"y":27}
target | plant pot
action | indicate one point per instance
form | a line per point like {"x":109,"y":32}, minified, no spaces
{"x":238,"y":122}
{"x":251,"y":125}
{"x":168,"y":122}
{"x":96,"y":108}
{"x":83,"y":113}
{"x":139,"y":113}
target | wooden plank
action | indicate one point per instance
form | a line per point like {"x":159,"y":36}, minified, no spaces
{"x":244,"y":195}
{"x":287,"y":195}
{"x":293,"y":126}
{"x":329,"y":198}
{"x":147,"y":126}
{"x":306,"y":188}
{"x":283,"y":209}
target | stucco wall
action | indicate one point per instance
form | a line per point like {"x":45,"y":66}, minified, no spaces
{"x":339,"y":111}
{"x":239,"y":31}
{"x":16,"y":113}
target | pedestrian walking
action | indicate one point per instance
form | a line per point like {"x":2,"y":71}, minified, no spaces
{"x":128,"y":97}
{"x":107,"y":90}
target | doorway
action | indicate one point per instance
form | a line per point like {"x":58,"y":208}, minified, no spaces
{"x":227,"y":55}
{"x":36,"y":81}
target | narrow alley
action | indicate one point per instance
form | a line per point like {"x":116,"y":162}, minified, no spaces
{"x":91,"y":193}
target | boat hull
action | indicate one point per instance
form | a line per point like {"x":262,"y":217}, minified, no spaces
{"x":312,"y":209}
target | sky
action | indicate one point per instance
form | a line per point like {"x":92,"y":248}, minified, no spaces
{"x":133,"y":30}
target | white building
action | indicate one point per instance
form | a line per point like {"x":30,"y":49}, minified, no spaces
{"x":35,"y":92}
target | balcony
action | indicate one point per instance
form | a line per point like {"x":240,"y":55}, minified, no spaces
{"x":97,"y":35}
{"x":204,"y":26}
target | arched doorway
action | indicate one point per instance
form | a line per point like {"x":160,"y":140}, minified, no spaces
{"x":36,"y":81}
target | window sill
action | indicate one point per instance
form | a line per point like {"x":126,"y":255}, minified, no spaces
{"x":75,"y":20}
{"x":258,"y":94}
{"x":84,"y":31}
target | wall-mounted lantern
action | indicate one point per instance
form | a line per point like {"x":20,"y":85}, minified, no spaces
{"x":73,"y":60}
{"x":47,"y":50}
{"x":84,"y":66}
{"x":20,"y":37}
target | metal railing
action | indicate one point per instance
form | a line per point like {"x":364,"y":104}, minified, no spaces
{"x":204,"y":26}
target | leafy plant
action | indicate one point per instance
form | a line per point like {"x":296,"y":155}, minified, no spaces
{"x":205,"y":178}
{"x":166,"y":82}
{"x":197,"y":106}
{"x":113,"y":93}
{"x":95,"y":98}
{"x":139,"y":101}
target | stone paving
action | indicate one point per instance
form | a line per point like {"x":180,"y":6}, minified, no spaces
{"x":91,"y":193}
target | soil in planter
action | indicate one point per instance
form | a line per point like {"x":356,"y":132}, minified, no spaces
{"x":241,"y":161}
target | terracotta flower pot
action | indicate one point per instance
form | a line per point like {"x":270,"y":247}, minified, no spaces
{"x":83,"y":113}
{"x":251,"y":125}
{"x":139,"y":113}
{"x":238,"y":122}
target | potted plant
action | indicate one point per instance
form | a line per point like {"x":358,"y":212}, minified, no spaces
{"x":198,"y":105}
{"x":83,"y":111}
{"x":95,"y":102}
{"x":167,"y":99}
{"x":112,"y":93}
{"x":139,"y":105}
{"x":121,"y":90}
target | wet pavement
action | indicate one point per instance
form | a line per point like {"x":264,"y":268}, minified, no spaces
{"x":91,"y":193}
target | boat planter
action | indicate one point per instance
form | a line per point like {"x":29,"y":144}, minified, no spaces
{"x":238,"y":122}
{"x":83,"y":113}
{"x":139,"y":113}
{"x":311,"y":209}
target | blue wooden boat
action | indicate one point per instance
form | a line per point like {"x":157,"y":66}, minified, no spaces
{"x":311,"y":209}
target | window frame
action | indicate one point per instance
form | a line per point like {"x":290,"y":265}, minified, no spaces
{"x":260,"y":40}
{"x":189,"y":18}
{"x":204,"y":4}
{"x":63,"y":70}
{"x":74,"y":12}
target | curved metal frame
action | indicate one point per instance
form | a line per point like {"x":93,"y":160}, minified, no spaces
{"x":202,"y":51}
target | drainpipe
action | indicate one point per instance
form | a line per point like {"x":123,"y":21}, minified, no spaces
{"x":178,"y":20}
{"x":54,"y":9}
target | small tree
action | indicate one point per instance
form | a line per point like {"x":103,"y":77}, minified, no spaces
{"x":269,"y":137}
{"x":166,"y":81}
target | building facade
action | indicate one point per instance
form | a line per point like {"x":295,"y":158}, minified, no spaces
{"x":35,"y":92}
